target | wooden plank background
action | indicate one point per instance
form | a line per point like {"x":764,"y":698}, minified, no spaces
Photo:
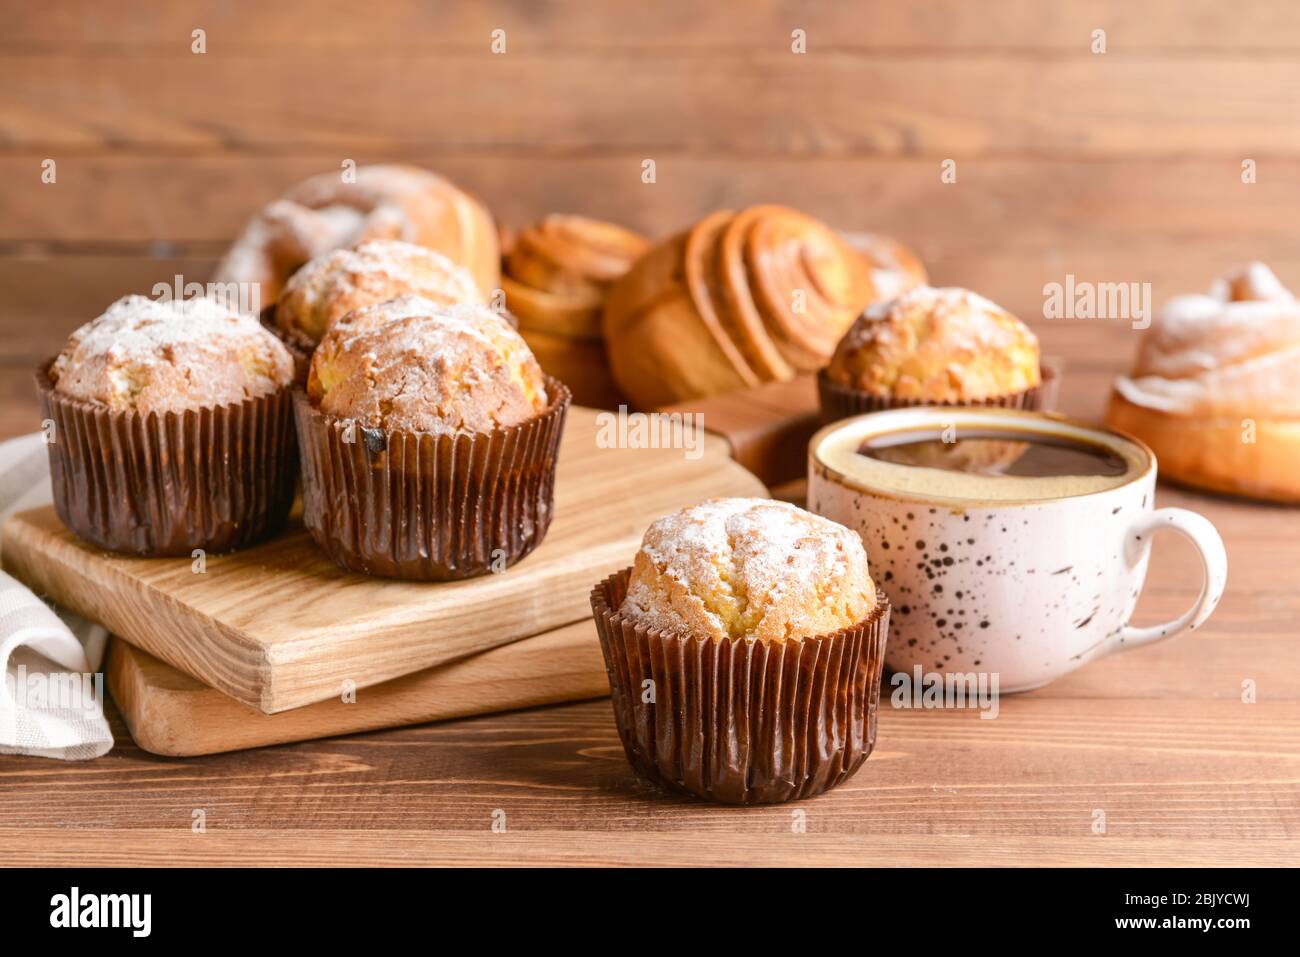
{"x":1124,"y":166}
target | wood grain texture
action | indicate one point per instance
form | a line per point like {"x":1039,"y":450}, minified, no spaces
{"x":134,"y":196}
{"x":758,"y":846}
{"x":1181,"y":781}
{"x":769,"y":101}
{"x":170,"y":713}
{"x":279,"y":626}
{"x":996,"y":26}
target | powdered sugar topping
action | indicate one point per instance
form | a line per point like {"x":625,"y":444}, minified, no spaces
{"x":139,"y":331}
{"x":1234,"y":349}
{"x":412,"y":266}
{"x":473,"y":320}
{"x":749,"y":567}
{"x":949,"y":299}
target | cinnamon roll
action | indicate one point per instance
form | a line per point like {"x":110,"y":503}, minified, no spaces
{"x":556,"y":276}
{"x":737,"y":300}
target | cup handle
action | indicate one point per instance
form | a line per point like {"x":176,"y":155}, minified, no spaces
{"x":1214,"y":560}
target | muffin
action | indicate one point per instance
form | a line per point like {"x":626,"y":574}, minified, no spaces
{"x":932,"y":347}
{"x":744,"y":650}
{"x":429,"y":438}
{"x":331,"y":286}
{"x":1213,"y":390}
{"x":556,"y":276}
{"x":172,"y":428}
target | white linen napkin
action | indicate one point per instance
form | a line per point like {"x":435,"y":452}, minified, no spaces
{"x":51,"y":699}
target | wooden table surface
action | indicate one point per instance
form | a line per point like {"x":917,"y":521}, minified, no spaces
{"x":1157,"y":740}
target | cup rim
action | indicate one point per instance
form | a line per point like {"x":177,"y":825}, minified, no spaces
{"x":1066,"y":426}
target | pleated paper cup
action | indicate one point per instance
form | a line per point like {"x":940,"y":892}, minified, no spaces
{"x":740,"y":721}
{"x":428,"y":507}
{"x":843,"y":402}
{"x":216,"y":478}
{"x":300,"y":347}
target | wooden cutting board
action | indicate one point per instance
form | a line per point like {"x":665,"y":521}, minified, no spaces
{"x":279,"y":626}
{"x":170,"y":713}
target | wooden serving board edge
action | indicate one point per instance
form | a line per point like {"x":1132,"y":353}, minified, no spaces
{"x":31,"y":557}
{"x":171,"y":714}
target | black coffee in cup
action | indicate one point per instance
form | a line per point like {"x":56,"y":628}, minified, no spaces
{"x":995,"y":452}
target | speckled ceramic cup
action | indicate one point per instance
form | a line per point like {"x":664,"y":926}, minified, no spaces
{"x":1027,"y":586}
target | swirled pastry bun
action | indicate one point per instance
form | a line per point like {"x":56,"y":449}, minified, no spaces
{"x":738,"y":299}
{"x":558,"y":271}
{"x":556,"y":276}
{"x":1215,"y":392}
{"x":939,"y":345}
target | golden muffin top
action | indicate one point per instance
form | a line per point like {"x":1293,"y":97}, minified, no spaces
{"x":415,"y":365}
{"x":331,"y":286}
{"x":941,"y":345}
{"x":167,"y":356}
{"x":749,"y":568}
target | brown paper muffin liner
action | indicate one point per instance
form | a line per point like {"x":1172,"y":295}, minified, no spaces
{"x":299,"y":348}
{"x":742,"y":722}
{"x":843,"y":402}
{"x":427,"y":507}
{"x":215,"y":478}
